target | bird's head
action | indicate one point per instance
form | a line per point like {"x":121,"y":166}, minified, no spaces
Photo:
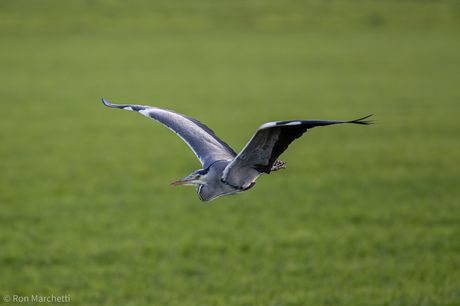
{"x":196,"y":178}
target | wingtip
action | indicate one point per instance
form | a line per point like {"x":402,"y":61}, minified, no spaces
{"x":363,"y":121}
{"x":106,"y":103}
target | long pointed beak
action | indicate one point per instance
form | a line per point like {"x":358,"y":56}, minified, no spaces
{"x":183,"y":181}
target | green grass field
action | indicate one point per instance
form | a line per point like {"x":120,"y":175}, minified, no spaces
{"x":361,"y":216}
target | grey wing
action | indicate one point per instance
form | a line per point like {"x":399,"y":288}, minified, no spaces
{"x":266,"y":145}
{"x":201,"y":139}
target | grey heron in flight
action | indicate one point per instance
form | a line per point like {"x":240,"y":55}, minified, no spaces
{"x":224,"y":171}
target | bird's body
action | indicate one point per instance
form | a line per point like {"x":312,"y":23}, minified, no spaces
{"x":224,"y":171}
{"x":211,"y":189}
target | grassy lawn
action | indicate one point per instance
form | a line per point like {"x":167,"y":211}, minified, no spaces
{"x":361,"y":216}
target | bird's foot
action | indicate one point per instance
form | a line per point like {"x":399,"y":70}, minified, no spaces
{"x":278,"y":165}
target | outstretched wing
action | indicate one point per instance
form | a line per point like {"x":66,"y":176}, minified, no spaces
{"x":201,"y":139}
{"x":266,"y":145}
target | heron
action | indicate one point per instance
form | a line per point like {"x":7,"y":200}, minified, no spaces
{"x":224,"y":172}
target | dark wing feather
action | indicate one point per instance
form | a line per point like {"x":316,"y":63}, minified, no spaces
{"x":266,"y":145}
{"x":201,"y":139}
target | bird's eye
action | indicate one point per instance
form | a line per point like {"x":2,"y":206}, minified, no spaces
{"x":198,"y":176}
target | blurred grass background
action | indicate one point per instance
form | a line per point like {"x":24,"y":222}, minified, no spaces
{"x":361,"y":216}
